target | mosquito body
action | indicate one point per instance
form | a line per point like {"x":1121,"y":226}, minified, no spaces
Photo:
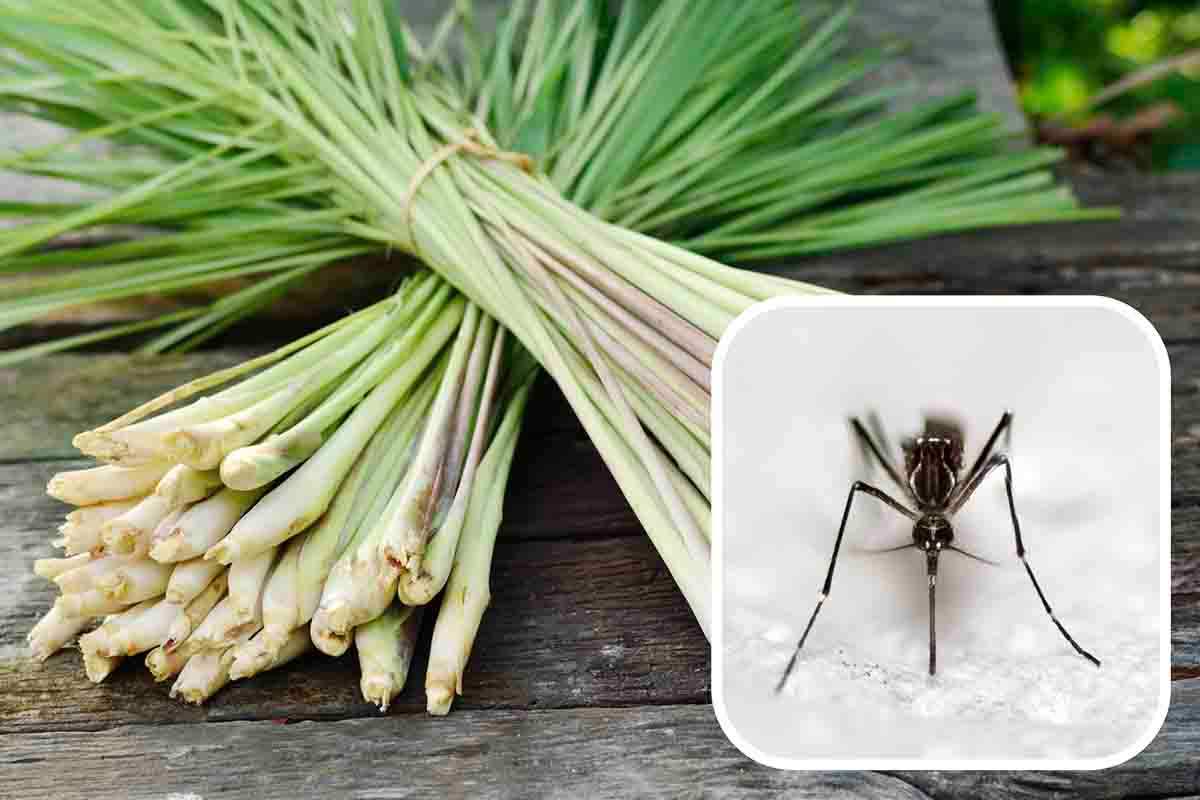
{"x":935,"y":485}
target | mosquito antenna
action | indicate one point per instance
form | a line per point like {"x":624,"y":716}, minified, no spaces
{"x":880,"y":550}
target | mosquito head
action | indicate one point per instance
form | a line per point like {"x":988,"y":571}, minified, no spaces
{"x":932,"y":462}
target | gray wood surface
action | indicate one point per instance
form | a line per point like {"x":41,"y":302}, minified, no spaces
{"x":589,"y":678}
{"x":646,"y":751}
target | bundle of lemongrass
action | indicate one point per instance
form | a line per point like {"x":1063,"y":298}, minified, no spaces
{"x":221,"y":531}
{"x":274,"y":137}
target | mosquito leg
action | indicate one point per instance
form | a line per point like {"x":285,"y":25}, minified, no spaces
{"x":858,"y":486}
{"x":883,"y":460}
{"x":981,"y":463}
{"x":1012,"y":510}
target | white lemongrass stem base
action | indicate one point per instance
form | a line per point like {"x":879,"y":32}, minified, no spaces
{"x":203,"y":525}
{"x":144,"y":632}
{"x":81,"y":533}
{"x":190,"y":578}
{"x":188,"y":617}
{"x":165,"y":665}
{"x":246,"y":661}
{"x":385,"y":647}
{"x":51,"y":568}
{"x":135,"y":580}
{"x":219,"y":629}
{"x":53,"y":631}
{"x":85,"y":487}
{"x":247,"y":579}
{"x":202,"y":676}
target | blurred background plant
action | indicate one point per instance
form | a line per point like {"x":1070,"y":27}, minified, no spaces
{"x":1115,"y":81}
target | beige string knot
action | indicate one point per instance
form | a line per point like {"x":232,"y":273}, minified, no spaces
{"x":470,"y":143}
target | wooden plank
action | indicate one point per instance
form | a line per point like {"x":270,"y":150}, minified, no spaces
{"x":571,"y":624}
{"x":665,"y":751}
{"x":674,"y":751}
{"x":949,"y":47}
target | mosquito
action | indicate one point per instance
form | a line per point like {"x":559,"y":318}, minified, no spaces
{"x":934,"y":483}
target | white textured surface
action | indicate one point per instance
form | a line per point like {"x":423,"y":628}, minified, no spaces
{"x":1084,"y":388}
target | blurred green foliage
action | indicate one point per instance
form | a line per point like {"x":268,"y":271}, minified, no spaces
{"x":1064,"y":51}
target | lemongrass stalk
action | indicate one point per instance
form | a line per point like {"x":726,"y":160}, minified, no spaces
{"x":164,"y":665}
{"x":465,"y":413}
{"x":92,"y":603}
{"x":649,"y":455}
{"x":247,"y":580}
{"x":142,"y":443}
{"x":204,"y":525}
{"x":362,"y":496}
{"x":85,"y":576}
{"x":280,"y":601}
{"x":163,"y":529}
{"x":95,"y":665}
{"x":250,"y":467}
{"x":305,"y":495}
{"x":183,"y":485}
{"x":51,"y":568}
{"x":385,"y":651}
{"x":221,"y":628}
{"x":277,"y":367}
{"x":143,"y":632}
{"x":467,"y":592}
{"x":135,"y":581}
{"x":81,"y":532}
{"x":634,"y":325}
{"x":100,"y":641}
{"x":190,"y":578}
{"x":189,"y":616}
{"x":249,"y":658}
{"x":134,"y":530}
{"x":360,"y":586}
{"x":204,"y":446}
{"x":420,"y":587}
{"x":85,"y":487}
{"x":690,"y":453}
{"x":53,"y":631}
{"x":132,"y":438}
{"x":403,"y":541}
{"x":204,"y":674}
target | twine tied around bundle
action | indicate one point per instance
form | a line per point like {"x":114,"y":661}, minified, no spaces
{"x":470,"y":143}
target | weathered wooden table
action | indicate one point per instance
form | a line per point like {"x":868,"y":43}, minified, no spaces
{"x":589,"y":678}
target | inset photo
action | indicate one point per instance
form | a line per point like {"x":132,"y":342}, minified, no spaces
{"x":941,"y":533}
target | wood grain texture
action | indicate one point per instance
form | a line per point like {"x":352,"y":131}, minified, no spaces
{"x":666,"y":751}
{"x":672,"y":751}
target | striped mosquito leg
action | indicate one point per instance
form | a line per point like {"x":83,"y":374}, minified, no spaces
{"x":858,"y":486}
